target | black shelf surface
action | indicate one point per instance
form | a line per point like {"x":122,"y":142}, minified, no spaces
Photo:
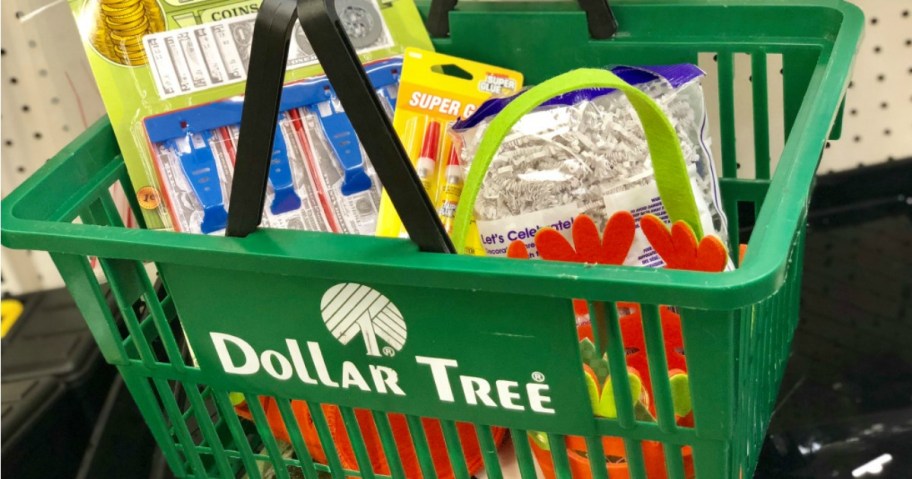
{"x":846,"y":398}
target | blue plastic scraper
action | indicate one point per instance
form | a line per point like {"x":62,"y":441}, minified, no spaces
{"x":341,"y":135}
{"x":198,"y":163}
{"x":285,"y":198}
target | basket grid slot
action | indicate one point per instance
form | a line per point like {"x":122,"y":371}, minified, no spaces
{"x":292,"y":424}
{"x":391,"y":452}
{"x":454,"y":448}
{"x":775,"y":80}
{"x":207,"y":422}
{"x":326,"y":439}
{"x":423,"y":451}
{"x":180,"y":429}
{"x":658,"y":366}
{"x":523,"y":453}
{"x":266,"y":436}
{"x":489,"y":451}
{"x":239,"y":445}
{"x":596,"y":455}
{"x":353,"y":431}
{"x":766,"y":332}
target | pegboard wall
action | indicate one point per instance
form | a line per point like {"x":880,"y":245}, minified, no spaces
{"x":877,"y":121}
{"x":878,"y":114}
{"x":49,"y":96}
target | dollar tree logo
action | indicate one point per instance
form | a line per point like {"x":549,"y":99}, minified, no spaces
{"x":351,"y":310}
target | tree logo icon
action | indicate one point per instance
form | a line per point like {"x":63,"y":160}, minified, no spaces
{"x":352,"y":309}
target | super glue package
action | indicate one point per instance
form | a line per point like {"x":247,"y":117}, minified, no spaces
{"x":155,"y":57}
{"x":436,"y":90}
{"x":319,"y":179}
{"x":585,"y":152}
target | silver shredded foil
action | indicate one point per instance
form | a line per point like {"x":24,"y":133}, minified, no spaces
{"x":580,"y":153}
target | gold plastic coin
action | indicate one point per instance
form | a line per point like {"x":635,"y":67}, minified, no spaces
{"x":148,"y":198}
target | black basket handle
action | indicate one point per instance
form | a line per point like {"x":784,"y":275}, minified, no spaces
{"x":271,"y":35}
{"x":602,"y":24}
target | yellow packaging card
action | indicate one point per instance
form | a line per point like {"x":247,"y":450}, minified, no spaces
{"x":435,"y":90}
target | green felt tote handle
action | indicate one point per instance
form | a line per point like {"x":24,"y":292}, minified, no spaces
{"x":664,"y":146}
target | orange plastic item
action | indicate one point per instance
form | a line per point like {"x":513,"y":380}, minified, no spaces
{"x":401,"y":436}
{"x":407,"y":454}
{"x":653,"y":458}
{"x":679,"y":248}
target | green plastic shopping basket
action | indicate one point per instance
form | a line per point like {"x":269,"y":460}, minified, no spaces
{"x":486,"y":341}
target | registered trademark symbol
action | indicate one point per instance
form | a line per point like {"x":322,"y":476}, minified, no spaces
{"x":388,"y":351}
{"x":538,"y":377}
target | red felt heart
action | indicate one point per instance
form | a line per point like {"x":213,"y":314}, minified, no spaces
{"x":679,"y":248}
{"x":588,"y":246}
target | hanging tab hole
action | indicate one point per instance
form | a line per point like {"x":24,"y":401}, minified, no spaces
{"x":452,"y":70}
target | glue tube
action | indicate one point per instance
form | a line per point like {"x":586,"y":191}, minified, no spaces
{"x":427,"y":162}
{"x":452,"y":189}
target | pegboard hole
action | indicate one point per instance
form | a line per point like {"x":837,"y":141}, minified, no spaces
{"x":881,"y":77}
{"x":873,"y":20}
{"x":877,"y":49}
{"x":20,"y":169}
{"x":55,"y":100}
{"x":857,"y":139}
{"x":14,"y":80}
{"x":42,"y":72}
{"x":887,"y":132}
{"x":905,"y":14}
{"x":38,"y":135}
{"x":883,"y":105}
{"x":909,"y":42}
{"x":32,"y":43}
{"x":827,"y":145}
{"x":853,"y":112}
{"x":25,"y":108}
{"x":8,"y":142}
{"x":66,"y":128}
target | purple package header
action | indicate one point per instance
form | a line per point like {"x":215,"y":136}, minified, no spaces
{"x":675,"y":75}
